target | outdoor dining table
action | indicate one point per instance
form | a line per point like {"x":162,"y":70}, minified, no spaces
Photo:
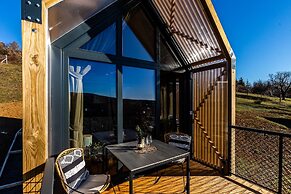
{"x":139,"y":162}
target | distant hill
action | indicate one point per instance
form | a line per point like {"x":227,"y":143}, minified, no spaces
{"x":100,"y":112}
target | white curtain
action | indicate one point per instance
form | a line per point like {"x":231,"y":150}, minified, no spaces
{"x":76,"y":104}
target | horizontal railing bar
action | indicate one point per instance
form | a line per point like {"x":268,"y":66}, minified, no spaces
{"x":15,"y":151}
{"x":10,"y":185}
{"x":278,"y":133}
{"x":9,"y":151}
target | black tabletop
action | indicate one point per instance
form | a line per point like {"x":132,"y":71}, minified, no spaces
{"x":136,"y":162}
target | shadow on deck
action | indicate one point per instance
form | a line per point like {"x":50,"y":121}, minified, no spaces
{"x":203,"y":180}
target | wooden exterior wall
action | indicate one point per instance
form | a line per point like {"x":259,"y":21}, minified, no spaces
{"x":210,"y":140}
{"x":231,"y":63}
{"x":35,"y":99}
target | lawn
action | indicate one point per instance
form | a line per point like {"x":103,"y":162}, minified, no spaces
{"x":263,"y":112}
{"x":11,"y":90}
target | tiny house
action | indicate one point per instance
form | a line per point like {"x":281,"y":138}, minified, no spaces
{"x":98,"y":69}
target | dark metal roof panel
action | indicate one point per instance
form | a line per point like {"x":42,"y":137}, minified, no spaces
{"x":68,"y":14}
{"x":188,"y":24}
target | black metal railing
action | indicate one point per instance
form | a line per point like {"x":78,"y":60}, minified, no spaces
{"x":262,"y":157}
{"x":11,"y":169}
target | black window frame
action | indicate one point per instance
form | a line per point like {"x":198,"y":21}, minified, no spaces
{"x":68,"y":46}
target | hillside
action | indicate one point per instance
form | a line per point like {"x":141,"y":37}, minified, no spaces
{"x":263,"y":112}
{"x":11,"y":90}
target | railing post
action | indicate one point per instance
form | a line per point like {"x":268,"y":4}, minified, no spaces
{"x":280,"y":164}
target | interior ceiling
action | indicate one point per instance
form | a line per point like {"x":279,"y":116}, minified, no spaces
{"x":190,"y":28}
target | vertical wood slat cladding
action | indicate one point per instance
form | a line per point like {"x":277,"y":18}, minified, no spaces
{"x":210,"y":116}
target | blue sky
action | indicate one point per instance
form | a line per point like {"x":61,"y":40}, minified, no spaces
{"x":101,"y":80}
{"x":260,"y":34}
{"x":258,"y":30}
{"x":10,"y":21}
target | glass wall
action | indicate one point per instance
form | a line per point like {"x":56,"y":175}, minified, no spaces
{"x":138,"y":36}
{"x":95,"y":88}
{"x":104,"y":42}
{"x":139,"y":99}
{"x":92,"y":101}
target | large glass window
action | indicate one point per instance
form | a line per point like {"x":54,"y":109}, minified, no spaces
{"x":92,"y":101}
{"x":104,"y":42}
{"x":138,"y":36}
{"x":139,"y":96}
{"x":168,"y":62}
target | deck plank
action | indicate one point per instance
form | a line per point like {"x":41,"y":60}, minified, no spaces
{"x":203,"y":180}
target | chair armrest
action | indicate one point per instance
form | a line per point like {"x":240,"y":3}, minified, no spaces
{"x":47,"y":185}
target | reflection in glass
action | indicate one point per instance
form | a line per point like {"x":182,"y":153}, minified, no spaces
{"x":66,"y":15}
{"x":104,"y":42}
{"x":169,"y":101}
{"x":92,"y":101}
{"x":139,"y":99}
{"x":168,"y":62}
{"x":138,"y":36}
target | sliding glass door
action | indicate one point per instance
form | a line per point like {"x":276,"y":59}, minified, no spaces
{"x":139,"y":101}
{"x":92,"y":101}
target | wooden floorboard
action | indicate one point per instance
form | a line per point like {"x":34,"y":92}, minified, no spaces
{"x":203,"y":180}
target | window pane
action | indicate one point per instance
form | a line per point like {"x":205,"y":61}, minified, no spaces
{"x":138,"y":36}
{"x":168,"y":62}
{"x":92,"y":101}
{"x":66,"y":15}
{"x":104,"y":42}
{"x":139,"y":99}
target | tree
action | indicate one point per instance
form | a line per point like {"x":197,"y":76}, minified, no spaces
{"x":281,"y":81}
{"x":12,"y":50}
{"x":240,"y":85}
{"x":259,"y":87}
{"x":248,"y":87}
{"x":241,"y":82}
{"x":13,"y":46}
{"x":3,"y":49}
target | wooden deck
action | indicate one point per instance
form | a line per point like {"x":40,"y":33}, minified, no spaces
{"x":203,"y":180}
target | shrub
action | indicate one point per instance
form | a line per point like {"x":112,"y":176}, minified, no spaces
{"x":258,"y":101}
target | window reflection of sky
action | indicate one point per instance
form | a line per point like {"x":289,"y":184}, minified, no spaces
{"x":104,"y":42}
{"x":132,"y":47}
{"x":100,"y":80}
{"x":138,"y":83}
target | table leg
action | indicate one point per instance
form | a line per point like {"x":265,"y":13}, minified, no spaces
{"x":105,"y":161}
{"x":188,"y":175}
{"x":130,"y":183}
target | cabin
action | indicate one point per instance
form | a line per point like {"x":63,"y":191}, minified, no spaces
{"x":93,"y":70}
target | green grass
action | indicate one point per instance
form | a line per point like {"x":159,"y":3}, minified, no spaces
{"x":268,"y":114}
{"x":10,"y":83}
{"x":243,"y":102}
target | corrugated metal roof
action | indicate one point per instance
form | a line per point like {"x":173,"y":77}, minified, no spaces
{"x":189,"y":26}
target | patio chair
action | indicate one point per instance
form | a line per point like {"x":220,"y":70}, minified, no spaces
{"x":70,"y":165}
{"x":180,"y":140}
